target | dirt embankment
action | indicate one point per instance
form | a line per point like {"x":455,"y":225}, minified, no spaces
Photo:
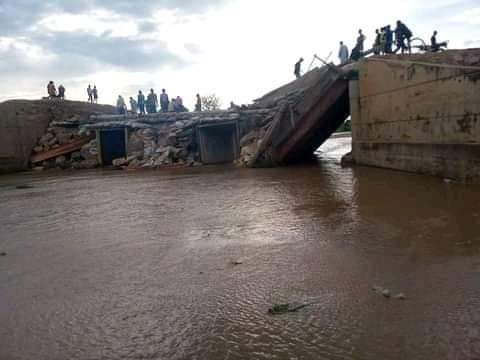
{"x":23,"y":122}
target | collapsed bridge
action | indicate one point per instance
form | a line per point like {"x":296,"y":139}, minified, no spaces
{"x":284,"y":126}
{"x":309,"y":110}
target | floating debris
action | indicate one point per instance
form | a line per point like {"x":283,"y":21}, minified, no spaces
{"x":387,"y":293}
{"x":3,"y":253}
{"x":280,"y":309}
{"x":23,"y":187}
{"x":237,"y":262}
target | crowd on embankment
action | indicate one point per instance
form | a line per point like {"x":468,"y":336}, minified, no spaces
{"x":385,"y":39}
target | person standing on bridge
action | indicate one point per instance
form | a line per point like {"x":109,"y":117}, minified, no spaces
{"x":388,"y":39}
{"x":298,"y":68}
{"x":402,"y":33}
{"x":95,"y":94}
{"x":343,"y":53}
{"x":361,"y":41}
{"x":121,"y":106}
{"x":133,"y":105}
{"x":52,"y":91}
{"x":198,"y":105}
{"x":377,"y":43}
{"x":164,"y":101}
{"x":152,"y":102}
{"x":141,"y":102}
{"x":61,"y":92}
{"x":90,"y":94}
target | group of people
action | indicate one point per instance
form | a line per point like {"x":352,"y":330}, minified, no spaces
{"x":153,"y":103}
{"x":52,"y":91}
{"x":92,"y":94}
{"x":385,"y":38}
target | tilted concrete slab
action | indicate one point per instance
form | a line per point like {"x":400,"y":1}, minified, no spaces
{"x":313,"y":108}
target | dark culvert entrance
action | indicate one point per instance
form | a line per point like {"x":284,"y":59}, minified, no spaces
{"x":112,"y":145}
{"x":219,"y":143}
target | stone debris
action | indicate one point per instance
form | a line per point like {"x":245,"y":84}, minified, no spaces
{"x":63,"y":133}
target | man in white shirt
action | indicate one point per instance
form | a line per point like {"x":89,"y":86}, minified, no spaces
{"x":343,"y":53}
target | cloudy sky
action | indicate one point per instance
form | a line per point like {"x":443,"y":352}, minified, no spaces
{"x":238,"y":49}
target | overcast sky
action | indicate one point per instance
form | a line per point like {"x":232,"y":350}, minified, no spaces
{"x":238,"y":49}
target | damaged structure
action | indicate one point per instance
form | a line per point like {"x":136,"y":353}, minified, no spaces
{"x":283,"y":126}
{"x":419,"y":113}
{"x":415,"y":113}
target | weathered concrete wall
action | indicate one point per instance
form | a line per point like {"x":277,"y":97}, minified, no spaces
{"x":418,"y":117}
{"x":23,"y":122}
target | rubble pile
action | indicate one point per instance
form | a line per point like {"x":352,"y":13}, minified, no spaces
{"x":170,"y":140}
{"x":61,"y":134}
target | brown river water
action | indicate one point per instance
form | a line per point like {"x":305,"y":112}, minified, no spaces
{"x":138,"y":265}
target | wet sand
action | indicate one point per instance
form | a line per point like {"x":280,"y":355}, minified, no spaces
{"x":116,"y":265}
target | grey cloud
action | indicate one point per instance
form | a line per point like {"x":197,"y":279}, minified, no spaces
{"x":17,"y":16}
{"x":129,"y":54}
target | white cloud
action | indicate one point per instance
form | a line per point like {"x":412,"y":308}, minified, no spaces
{"x":470,"y":17}
{"x":95,"y":22}
{"x":239,"y":50}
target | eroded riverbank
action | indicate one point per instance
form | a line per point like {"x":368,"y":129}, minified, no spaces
{"x":118,"y":265}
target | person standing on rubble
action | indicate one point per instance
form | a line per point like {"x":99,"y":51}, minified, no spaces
{"x":95,"y":94}
{"x":343,"y":53}
{"x":61,"y":92}
{"x":141,"y":102}
{"x":198,"y":105}
{"x":171,"y":106}
{"x":51,"y":90}
{"x":90,"y":94}
{"x":164,"y":101}
{"x":133,"y":105}
{"x":121,"y":106}
{"x":152,"y":102}
{"x":298,"y":68}
{"x":178,"y":106}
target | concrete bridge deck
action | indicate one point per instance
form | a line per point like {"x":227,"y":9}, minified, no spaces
{"x":311,"y":109}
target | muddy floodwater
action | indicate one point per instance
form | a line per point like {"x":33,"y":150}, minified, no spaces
{"x":139,"y":265}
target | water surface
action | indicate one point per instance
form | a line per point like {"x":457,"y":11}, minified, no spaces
{"x":137,"y":265}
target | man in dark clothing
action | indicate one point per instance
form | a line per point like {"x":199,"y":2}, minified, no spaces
{"x":389,"y":39}
{"x":298,"y":68}
{"x":377,"y":43}
{"x":152,"y":102}
{"x":61,"y":92}
{"x":198,"y":105}
{"x":436,"y":46}
{"x":141,"y":102}
{"x":402,"y":33}
{"x":164,"y":101}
